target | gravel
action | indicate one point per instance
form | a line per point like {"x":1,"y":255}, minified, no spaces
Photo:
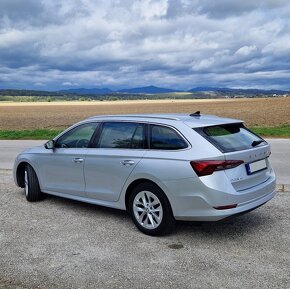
{"x":58,"y":243}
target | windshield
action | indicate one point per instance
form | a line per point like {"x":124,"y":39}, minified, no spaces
{"x":231,"y":137}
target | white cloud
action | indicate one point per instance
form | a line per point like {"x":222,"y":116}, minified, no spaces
{"x":280,"y":46}
{"x":149,"y":9}
{"x":68,"y":83}
{"x":39,"y":84}
{"x":204,"y":64}
{"x":246,"y":50}
{"x":178,"y":43}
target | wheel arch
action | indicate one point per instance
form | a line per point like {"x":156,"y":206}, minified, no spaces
{"x":19,"y":172}
{"x":135,"y":183}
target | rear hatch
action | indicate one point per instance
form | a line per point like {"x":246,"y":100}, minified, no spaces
{"x":239,"y":143}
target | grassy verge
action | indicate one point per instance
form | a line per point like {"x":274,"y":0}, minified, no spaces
{"x":46,"y":134}
{"x":277,"y":131}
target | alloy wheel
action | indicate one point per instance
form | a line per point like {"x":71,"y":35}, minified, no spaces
{"x":147,"y":210}
{"x":26,"y":183}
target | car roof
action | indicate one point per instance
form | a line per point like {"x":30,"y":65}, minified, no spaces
{"x":193,"y":120}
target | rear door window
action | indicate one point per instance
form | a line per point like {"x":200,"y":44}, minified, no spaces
{"x":231,"y":137}
{"x":122,"y":135}
{"x":165,"y":138}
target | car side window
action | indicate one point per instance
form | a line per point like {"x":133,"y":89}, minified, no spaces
{"x":165,"y":138}
{"x":124,"y":135}
{"x":78,"y":137}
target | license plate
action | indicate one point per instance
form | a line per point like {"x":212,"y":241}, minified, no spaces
{"x":256,"y":166}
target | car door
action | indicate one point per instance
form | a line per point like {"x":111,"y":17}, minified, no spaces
{"x":118,"y":149}
{"x":62,"y":167}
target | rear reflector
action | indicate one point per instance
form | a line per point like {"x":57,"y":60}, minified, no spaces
{"x":204,"y":168}
{"x":226,"y":207}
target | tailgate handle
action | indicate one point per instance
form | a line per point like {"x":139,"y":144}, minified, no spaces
{"x":78,"y":160}
{"x":127,"y":163}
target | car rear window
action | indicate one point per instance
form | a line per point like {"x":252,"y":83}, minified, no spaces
{"x":231,"y":137}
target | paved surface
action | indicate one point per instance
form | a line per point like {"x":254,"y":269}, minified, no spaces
{"x":9,"y":149}
{"x":58,"y":243}
{"x":280,"y":157}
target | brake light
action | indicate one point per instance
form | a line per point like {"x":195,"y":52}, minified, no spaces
{"x":204,"y":168}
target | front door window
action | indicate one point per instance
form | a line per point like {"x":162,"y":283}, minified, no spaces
{"x":78,"y":137}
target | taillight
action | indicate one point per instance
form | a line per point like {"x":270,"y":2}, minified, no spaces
{"x":204,"y":168}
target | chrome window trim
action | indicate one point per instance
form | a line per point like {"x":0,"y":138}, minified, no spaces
{"x":100,"y":121}
{"x":189,"y":146}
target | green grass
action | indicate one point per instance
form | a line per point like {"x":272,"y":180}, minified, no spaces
{"x":46,"y":134}
{"x":277,"y":131}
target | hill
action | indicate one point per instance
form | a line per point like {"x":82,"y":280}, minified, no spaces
{"x":146,"y":92}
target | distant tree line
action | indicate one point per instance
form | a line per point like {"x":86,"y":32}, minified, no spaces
{"x":49,"y":96}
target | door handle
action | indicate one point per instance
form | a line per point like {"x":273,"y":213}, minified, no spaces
{"x":127,"y":163}
{"x":78,"y":160}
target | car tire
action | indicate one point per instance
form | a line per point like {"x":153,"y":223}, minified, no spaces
{"x":150,"y":210}
{"x":31,"y":185}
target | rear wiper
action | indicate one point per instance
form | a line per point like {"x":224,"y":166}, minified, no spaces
{"x":256,"y":142}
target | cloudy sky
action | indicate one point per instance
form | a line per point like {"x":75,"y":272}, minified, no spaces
{"x":125,"y":43}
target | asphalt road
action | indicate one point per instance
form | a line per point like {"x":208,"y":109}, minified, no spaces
{"x":10,"y":148}
{"x":58,"y":243}
{"x":280,"y":157}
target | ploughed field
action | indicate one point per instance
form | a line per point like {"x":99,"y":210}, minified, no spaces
{"x":258,"y":112}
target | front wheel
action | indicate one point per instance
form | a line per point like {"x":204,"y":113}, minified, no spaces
{"x":31,"y":185}
{"x":150,"y":210}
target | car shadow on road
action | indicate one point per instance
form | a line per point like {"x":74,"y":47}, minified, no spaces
{"x":233,"y":227}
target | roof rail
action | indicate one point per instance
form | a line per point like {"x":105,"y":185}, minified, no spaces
{"x":134,"y":116}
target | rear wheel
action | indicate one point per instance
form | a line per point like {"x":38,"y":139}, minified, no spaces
{"x":31,"y":185}
{"x":150,"y":210}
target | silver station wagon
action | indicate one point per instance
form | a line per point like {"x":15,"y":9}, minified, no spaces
{"x":160,"y":168}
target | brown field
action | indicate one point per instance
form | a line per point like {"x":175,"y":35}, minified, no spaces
{"x":255,"y":112}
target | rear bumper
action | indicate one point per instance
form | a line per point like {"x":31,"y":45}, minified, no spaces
{"x":198,"y":204}
{"x":216,"y":215}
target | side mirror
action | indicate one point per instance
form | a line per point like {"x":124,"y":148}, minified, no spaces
{"x":49,"y":145}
